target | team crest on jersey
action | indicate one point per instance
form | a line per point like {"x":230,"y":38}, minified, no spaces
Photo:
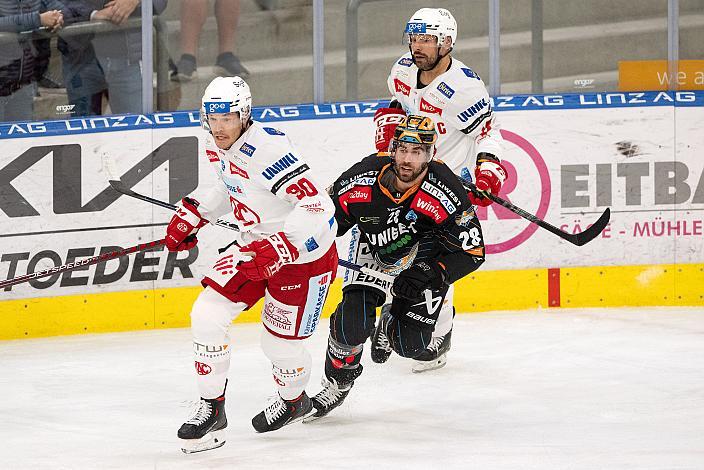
{"x":429,"y":108}
{"x":470,"y":73}
{"x":272,"y":131}
{"x":235,"y":170}
{"x":412,"y":216}
{"x":402,"y":87}
{"x":247,"y":149}
{"x":405,"y":61}
{"x":445,"y":89}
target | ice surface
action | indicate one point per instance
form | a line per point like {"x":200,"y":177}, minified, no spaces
{"x":557,"y":389}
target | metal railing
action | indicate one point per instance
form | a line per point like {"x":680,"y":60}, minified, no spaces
{"x":102,"y":27}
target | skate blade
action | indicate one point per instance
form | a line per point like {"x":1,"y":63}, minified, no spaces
{"x":312,"y":417}
{"x":212,"y":440}
{"x":425,"y":366}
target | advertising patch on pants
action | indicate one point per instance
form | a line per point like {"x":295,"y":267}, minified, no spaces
{"x":279,"y":317}
{"x":317,"y":292}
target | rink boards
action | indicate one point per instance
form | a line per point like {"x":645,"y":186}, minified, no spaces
{"x":568,"y":157}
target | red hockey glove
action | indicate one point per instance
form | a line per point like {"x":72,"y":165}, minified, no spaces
{"x":270,"y":254}
{"x":386,"y":120}
{"x":488,"y":177}
{"x":181,"y":231}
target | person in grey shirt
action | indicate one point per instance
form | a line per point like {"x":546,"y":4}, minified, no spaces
{"x":18,"y":57}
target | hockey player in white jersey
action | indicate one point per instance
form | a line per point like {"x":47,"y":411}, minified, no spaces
{"x":285,"y":254}
{"x":428,"y":81}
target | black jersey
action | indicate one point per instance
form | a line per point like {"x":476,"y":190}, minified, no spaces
{"x":435,"y":215}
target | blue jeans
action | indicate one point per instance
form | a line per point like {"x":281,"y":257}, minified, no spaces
{"x":124,"y":84}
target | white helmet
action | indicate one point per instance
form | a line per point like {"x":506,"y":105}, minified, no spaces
{"x":226,"y":95}
{"x":436,"y":22}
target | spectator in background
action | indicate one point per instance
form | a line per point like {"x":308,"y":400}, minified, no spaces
{"x":82,"y":74}
{"x":114,"y":60}
{"x":193,"y":16}
{"x":19,"y":58}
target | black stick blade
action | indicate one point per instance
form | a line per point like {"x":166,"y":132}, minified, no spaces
{"x":120,"y":187}
{"x":592,"y":232}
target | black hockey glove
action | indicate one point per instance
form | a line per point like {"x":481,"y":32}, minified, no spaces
{"x":423,"y":275}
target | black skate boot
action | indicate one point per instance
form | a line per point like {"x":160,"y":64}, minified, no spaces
{"x":330,"y":397}
{"x":205,"y":429}
{"x":381,"y":348}
{"x":282,"y":412}
{"x":342,"y":367}
{"x":435,"y":355}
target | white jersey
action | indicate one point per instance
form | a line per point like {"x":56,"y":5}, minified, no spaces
{"x":269,"y":188}
{"x":458,"y":103}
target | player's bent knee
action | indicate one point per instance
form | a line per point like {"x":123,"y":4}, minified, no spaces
{"x":406,"y":340}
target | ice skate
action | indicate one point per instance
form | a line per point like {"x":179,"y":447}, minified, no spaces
{"x":435,"y":355}
{"x":381,"y":348}
{"x":329,"y":398}
{"x":282,"y":412}
{"x":205,"y":429}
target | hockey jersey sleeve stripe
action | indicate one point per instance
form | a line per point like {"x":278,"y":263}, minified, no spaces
{"x":469,"y":129}
{"x":288,"y":177}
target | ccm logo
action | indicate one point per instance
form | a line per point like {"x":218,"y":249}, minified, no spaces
{"x":291,"y":287}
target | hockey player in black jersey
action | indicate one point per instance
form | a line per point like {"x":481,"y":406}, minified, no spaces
{"x":413,"y":220}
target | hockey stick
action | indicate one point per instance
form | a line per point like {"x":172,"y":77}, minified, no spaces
{"x":428,"y":295}
{"x":121,"y":187}
{"x":78,"y":264}
{"x":578,"y":239}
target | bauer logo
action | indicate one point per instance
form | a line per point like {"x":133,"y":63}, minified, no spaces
{"x":217,"y":107}
{"x":445,"y":89}
{"x":405,"y":61}
{"x":414,"y":28}
{"x":247,"y":149}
